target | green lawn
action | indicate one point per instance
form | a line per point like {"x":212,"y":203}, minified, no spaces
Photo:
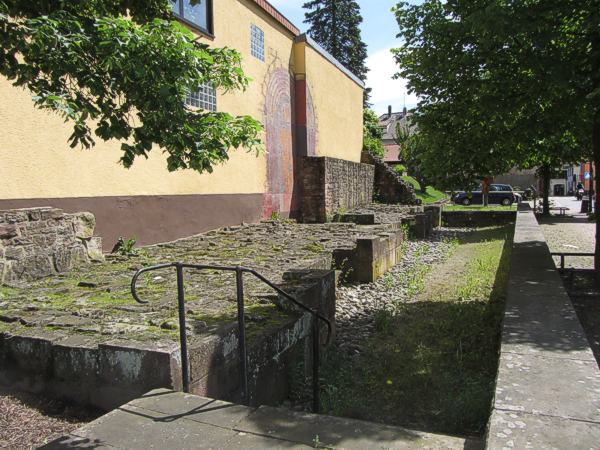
{"x":432,"y":361}
{"x":431,"y":194}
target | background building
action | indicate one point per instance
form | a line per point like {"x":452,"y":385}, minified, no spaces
{"x":388,"y":122}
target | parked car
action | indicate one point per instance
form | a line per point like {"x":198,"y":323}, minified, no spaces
{"x":499,"y":194}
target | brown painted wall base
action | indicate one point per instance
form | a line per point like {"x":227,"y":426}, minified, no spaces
{"x":153,"y":219}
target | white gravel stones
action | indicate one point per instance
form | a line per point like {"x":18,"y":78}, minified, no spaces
{"x":357,"y":304}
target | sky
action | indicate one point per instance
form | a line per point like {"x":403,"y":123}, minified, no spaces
{"x":379,"y":29}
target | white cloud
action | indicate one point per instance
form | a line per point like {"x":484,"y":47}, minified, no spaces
{"x":386,"y":90}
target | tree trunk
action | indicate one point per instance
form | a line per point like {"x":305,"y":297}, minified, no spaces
{"x":485,"y":191}
{"x":422,"y":181}
{"x":595,"y":182}
{"x":593,"y":188}
{"x":545,"y":172}
{"x":596,"y":145}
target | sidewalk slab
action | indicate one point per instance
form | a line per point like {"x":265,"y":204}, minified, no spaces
{"x":338,"y":432}
{"x":568,"y":388}
{"x":167,"y":419}
{"x":548,"y":384}
{"x":522,"y":431}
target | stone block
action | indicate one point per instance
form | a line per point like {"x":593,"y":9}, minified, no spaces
{"x":8,"y":231}
{"x":37,"y":242}
{"x":94,"y":249}
{"x":50,"y":213}
{"x":421,"y":227}
{"x":31,"y":353}
{"x":83,"y":225}
{"x":436,"y":217}
{"x":358,"y":219}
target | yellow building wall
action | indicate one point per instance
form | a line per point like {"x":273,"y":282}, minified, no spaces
{"x":38,"y":163}
{"x":337,"y":101}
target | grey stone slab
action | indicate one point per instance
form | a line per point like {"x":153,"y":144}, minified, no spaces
{"x":193,"y":407}
{"x":247,"y":441}
{"x":130,"y":427}
{"x":551,"y":386}
{"x":338,"y":432}
{"x":72,"y":441}
{"x":551,"y":343}
{"x":517,"y":430}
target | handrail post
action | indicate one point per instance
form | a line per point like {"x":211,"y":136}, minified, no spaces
{"x":185,"y":368}
{"x":316,"y":362}
{"x":562,"y":261}
{"x":239,"y":279}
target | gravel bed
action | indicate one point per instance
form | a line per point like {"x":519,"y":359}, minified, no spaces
{"x":28,"y":421}
{"x":357,"y":304}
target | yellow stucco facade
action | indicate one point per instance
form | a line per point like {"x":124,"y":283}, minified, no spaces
{"x":338,"y":108}
{"x":37,"y":162}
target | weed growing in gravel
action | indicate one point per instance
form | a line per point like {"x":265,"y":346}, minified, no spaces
{"x":388,"y":280}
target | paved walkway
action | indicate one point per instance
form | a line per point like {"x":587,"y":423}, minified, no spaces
{"x":164,"y":419}
{"x":570,"y":233}
{"x":548,"y":386}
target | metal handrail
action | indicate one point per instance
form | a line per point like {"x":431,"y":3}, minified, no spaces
{"x":239,"y":271}
{"x":563,"y":254}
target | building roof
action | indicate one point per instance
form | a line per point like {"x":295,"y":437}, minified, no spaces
{"x":273,"y":12}
{"x":299,"y":37}
{"x":325,"y":54}
{"x":389,"y":120}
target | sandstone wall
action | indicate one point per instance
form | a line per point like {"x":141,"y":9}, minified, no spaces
{"x":389,"y":186}
{"x":477,"y":218}
{"x":38,"y":242}
{"x":331,"y":185}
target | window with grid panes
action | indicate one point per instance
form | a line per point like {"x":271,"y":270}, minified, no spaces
{"x":205,"y":97}
{"x":257,"y":42}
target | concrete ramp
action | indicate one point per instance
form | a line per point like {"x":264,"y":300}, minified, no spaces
{"x":548,"y":386}
{"x":164,"y":419}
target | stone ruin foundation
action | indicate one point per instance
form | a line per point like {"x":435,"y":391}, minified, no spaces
{"x":39,"y":242}
{"x":80,"y":335}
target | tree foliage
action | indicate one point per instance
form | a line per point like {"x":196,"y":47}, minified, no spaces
{"x":335,"y":25}
{"x":413,"y":153}
{"x":497,"y":78}
{"x":120,"y":69}
{"x":372,"y":134}
{"x":503,"y":83}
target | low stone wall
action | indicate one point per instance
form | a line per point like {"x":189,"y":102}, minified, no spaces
{"x":330,"y":185}
{"x":389,"y":186}
{"x":108,"y":374}
{"x":475,"y":219}
{"x":548,"y":384}
{"x":105,"y":375}
{"x":372,"y":257}
{"x":38,"y":242}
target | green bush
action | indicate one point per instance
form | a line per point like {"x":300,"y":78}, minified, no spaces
{"x":400,"y":169}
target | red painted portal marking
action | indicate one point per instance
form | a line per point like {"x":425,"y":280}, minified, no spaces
{"x":281,"y":158}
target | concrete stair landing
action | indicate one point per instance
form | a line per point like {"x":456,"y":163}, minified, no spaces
{"x":164,"y":419}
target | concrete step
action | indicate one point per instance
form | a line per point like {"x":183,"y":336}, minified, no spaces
{"x":165,"y":419}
